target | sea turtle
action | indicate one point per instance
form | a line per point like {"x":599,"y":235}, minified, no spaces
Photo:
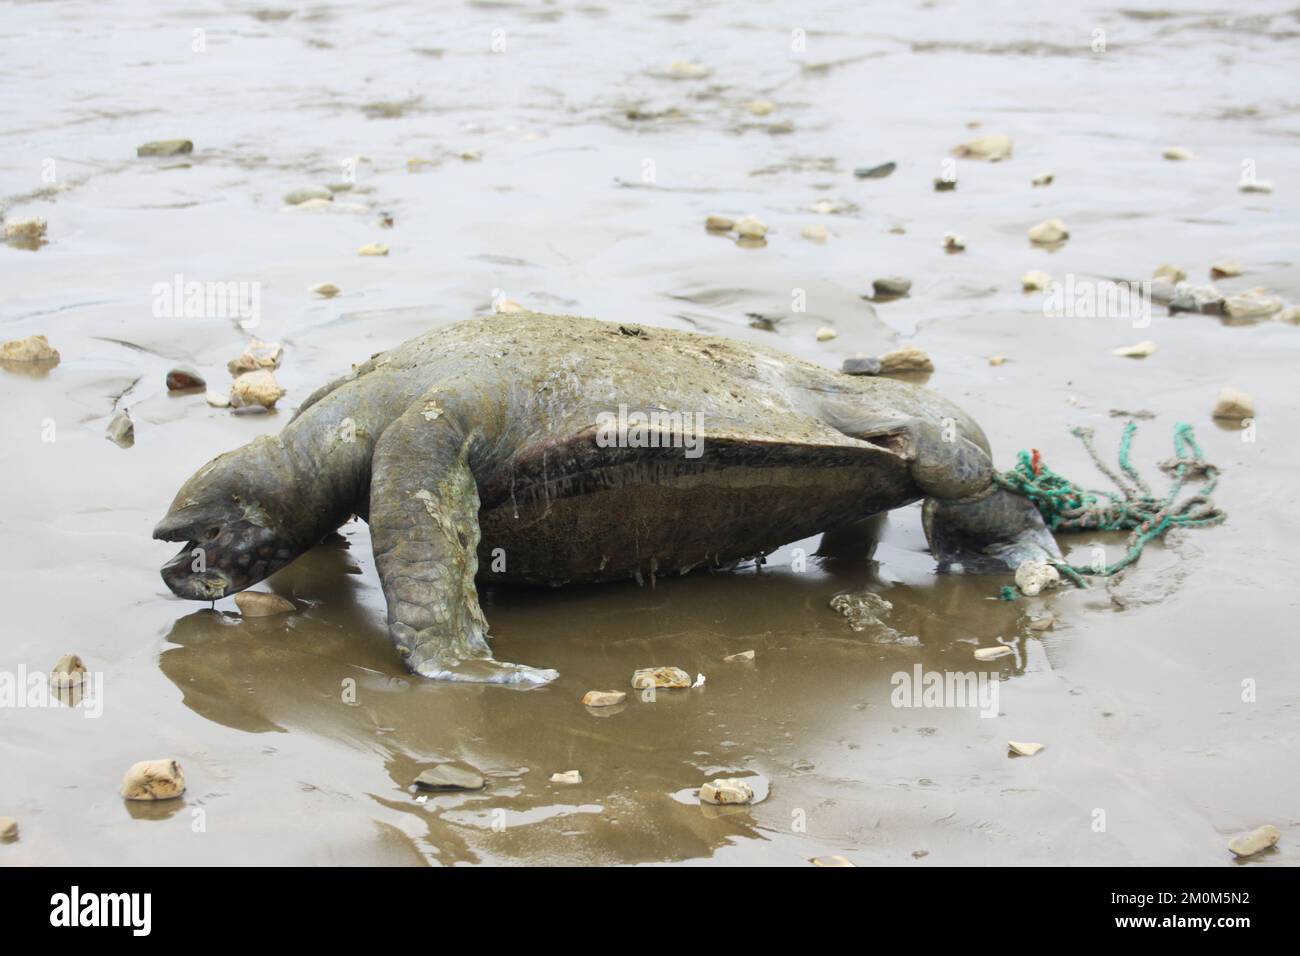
{"x":555,"y":449}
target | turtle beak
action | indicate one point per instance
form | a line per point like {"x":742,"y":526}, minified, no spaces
{"x":179,"y":575}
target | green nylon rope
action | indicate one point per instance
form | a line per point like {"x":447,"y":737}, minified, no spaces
{"x":1066,"y":506}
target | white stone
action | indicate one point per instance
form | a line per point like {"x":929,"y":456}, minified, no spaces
{"x":1033,"y":577}
{"x":1024,"y":748}
{"x":1140,"y":350}
{"x":1048,"y":231}
{"x":566,"y":776}
{"x":1178,"y":153}
{"x":1234,"y":404}
{"x":722,"y":791}
{"x":815,"y":232}
{"x":327,"y":290}
{"x":909,"y":359}
{"x":261,"y":604}
{"x":153,"y":780}
{"x":750,"y":227}
{"x":373,"y":249}
{"x":993,"y":148}
{"x":256,"y":388}
{"x":992,"y":653}
{"x":604,"y":698}
{"x":825,"y":334}
{"x":1035,"y":281}
{"x":1248,"y":844}
{"x":34,"y":348}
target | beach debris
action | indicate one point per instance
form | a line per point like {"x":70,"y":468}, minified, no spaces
{"x":826,"y":333}
{"x":34,"y":348}
{"x":373,"y":249}
{"x":68,"y":672}
{"x":1177,"y":153}
{"x":726,"y":791}
{"x":1254,"y":304}
{"x":699,"y":681}
{"x":27,"y":232}
{"x":1234,"y":404}
{"x":993,"y":148}
{"x":299,"y":196}
{"x":953,"y":242}
{"x":447,"y":777}
{"x":183,"y":377}
{"x":1033,"y":577}
{"x":1048,"y":231}
{"x":1172,"y":273}
{"x":992,"y":653}
{"x":832,"y":861}
{"x":1035,"y":281}
{"x":216,"y":399}
{"x":1140,"y":350}
{"x":326,"y":290}
{"x":262,"y":604}
{"x":1255,"y":186}
{"x":909,"y":359}
{"x":567,"y":776}
{"x":8,"y":828}
{"x":750,"y":227}
{"x":1043,"y":179}
{"x":719,"y":224}
{"x":153,"y":780}
{"x":875,"y":172}
{"x":942,"y":185}
{"x":1226,"y":269}
{"x":1023,"y":748}
{"x":1261,"y":838}
{"x":760,"y":107}
{"x":165,"y":147}
{"x":740,"y":657}
{"x":891,"y":286}
{"x":256,"y":388}
{"x":815,"y":232}
{"x":603,"y":698}
{"x":670,"y":677}
{"x":257,"y":355}
{"x":121,"y":430}
{"x":862,"y":609}
{"x":861,"y":365}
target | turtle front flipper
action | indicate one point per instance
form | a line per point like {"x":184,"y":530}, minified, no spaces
{"x":424,"y":507}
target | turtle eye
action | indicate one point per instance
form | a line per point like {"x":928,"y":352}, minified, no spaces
{"x":211,"y":534}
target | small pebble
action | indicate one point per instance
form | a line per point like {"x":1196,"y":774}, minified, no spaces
{"x":34,"y":348}
{"x":603,"y":698}
{"x":953,"y":242}
{"x":8,"y":828}
{"x":182,"y":377}
{"x":816,"y":233}
{"x":942,"y":185}
{"x":1141,"y":350}
{"x":719,"y":224}
{"x":891,"y":286}
{"x":760,"y":107}
{"x":1044,"y":622}
{"x":1234,"y":404}
{"x":153,"y":780}
{"x":1177,"y":153}
{"x":121,"y":430}
{"x":1226,"y":269}
{"x":992,"y":653}
{"x":832,"y":861}
{"x":216,"y":399}
{"x":742,"y":656}
{"x":262,"y":604}
{"x":686,"y":70}
{"x":1290,"y":314}
{"x":1033,"y":577}
{"x":471,"y":155}
{"x":993,"y":148}
{"x":826,"y":333}
{"x":726,"y":791}
{"x":256,"y":388}
{"x":567,"y":776}
{"x":1172,"y":273}
{"x":1022,"y":748}
{"x":68,"y":672}
{"x":300,"y":196}
{"x":997,"y":359}
{"x":257,"y":355}
{"x":862,"y":365}
{"x":1035,"y":281}
{"x":165,"y":147}
{"x":373,"y":249}
{"x":1255,"y":304}
{"x":326,"y":290}
{"x":26,"y":231}
{"x":1255,"y":186}
{"x":508,"y":307}
{"x":910,"y":359}
{"x":750,"y":227}
{"x":448,"y":777}
{"x":660,"y":677}
{"x":1248,"y":844}
{"x":875,"y":172}
{"x":1048,"y":231}
{"x":1043,"y":179}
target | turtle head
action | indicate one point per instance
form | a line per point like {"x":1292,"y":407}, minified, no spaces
{"x":992,"y":533}
{"x":234,"y":516}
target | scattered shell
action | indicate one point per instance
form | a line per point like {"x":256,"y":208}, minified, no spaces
{"x":953,"y":242}
{"x":750,"y":227}
{"x":1043,"y":179}
{"x":719,"y":224}
{"x":182,"y":378}
{"x":153,"y":780}
{"x":326,"y":290}
{"x":257,"y":355}
{"x":8,"y":828}
{"x":165,"y":147}
{"x":997,"y":359}
{"x":1022,"y":748}
{"x":1234,"y":404}
{"x":448,"y":777}
{"x":216,"y":399}
{"x":726,"y":791}
{"x":300,"y":196}
{"x":832,"y":861}
{"x":660,"y":677}
{"x":256,"y":388}
{"x":34,"y":348}
{"x":1256,"y":186}
{"x":816,"y":233}
{"x":262,"y":604}
{"x":875,"y":172}
{"x":1035,"y":281}
{"x":1226,"y":269}
{"x":942,"y":185}
{"x":993,"y":148}
{"x":1248,"y":844}
{"x":603,"y":698}
{"x":861,"y":365}
{"x":1048,"y":231}
{"x":30,"y":230}
{"x":742,"y":656}
{"x":567,"y":776}
{"x":1172,"y":273}
{"x":825,"y":334}
{"x":910,"y":359}
{"x":866,"y":610}
{"x":373,"y":249}
{"x":1177,"y":153}
{"x":1141,"y":350}
{"x":1255,"y":304}
{"x":992,"y":653}
{"x":68,"y":672}
{"x":1035,"y":576}
{"x":760,"y":107}
{"x":121,"y":430}
{"x":891,"y":285}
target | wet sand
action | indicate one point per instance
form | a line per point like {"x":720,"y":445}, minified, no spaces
{"x":1138,"y":691}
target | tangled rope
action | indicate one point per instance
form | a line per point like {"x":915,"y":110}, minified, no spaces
{"x":1066,"y":506}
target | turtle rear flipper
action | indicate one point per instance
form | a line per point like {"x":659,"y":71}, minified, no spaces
{"x":990,"y":534}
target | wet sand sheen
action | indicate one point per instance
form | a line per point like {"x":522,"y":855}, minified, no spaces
{"x":1137,"y":692}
